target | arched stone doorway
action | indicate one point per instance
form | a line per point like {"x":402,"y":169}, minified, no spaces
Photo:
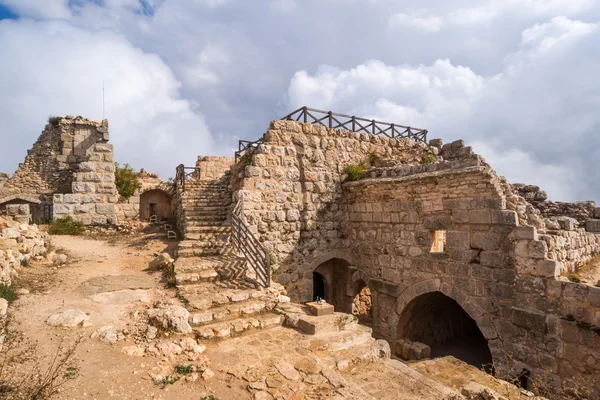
{"x":155,"y":202}
{"x":335,"y":275}
{"x":440,"y":322}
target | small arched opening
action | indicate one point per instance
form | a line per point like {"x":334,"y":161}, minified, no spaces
{"x":362,"y":302}
{"x":318,"y":286}
{"x":441,"y":323}
{"x":155,"y":202}
{"x":336,"y":275}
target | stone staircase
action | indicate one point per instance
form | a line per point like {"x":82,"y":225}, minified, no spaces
{"x":211,"y":278}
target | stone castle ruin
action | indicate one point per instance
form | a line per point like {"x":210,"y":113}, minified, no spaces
{"x":421,"y":240}
{"x":70,"y":171}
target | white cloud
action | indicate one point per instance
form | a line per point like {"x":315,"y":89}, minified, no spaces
{"x":536,"y":121}
{"x":65,"y":70}
{"x":423,"y":23}
{"x":495,"y":8}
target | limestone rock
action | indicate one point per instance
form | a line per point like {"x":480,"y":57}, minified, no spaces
{"x":107,"y":334}
{"x":134,"y":351}
{"x":381,"y":349}
{"x":207,"y":374}
{"x":3,"y":308}
{"x":189,"y":344}
{"x":287,"y":370}
{"x":476,"y":391}
{"x":162,"y":261}
{"x":151,"y":332}
{"x":173,"y":317}
{"x":169,"y":349}
{"x":69,"y":318}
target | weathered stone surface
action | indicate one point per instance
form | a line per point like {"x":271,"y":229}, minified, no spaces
{"x":171,"y":318}
{"x":68,"y":318}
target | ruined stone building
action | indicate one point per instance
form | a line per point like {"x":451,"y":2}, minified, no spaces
{"x":427,"y":244}
{"x":421,"y":240}
{"x":70,"y":171}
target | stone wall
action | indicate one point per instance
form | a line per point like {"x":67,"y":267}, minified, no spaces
{"x":494,"y":264}
{"x":291,"y":187}
{"x":93,"y":195}
{"x":18,"y":243}
{"x":212,"y":167}
{"x":71,"y":165}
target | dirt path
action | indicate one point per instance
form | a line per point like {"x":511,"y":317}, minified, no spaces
{"x":110,"y":281}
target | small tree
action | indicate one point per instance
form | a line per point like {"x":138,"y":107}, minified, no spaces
{"x":126,"y":180}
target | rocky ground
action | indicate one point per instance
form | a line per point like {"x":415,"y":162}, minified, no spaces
{"x":126,"y":318}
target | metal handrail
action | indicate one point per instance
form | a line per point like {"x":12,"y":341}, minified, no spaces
{"x":356,"y":124}
{"x":246,"y":244}
{"x":181,"y":176}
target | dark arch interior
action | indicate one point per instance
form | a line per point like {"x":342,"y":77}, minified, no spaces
{"x":440,"y":322}
{"x":155,"y":202}
{"x":335,"y":275}
{"x":318,"y":286}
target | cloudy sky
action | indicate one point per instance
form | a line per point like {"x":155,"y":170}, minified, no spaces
{"x":517,"y":79}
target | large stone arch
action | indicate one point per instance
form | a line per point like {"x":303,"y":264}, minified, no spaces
{"x":484,"y":323}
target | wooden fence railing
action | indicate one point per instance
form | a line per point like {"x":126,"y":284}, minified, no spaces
{"x":184,"y":174}
{"x":246,"y":244}
{"x":355,"y":124}
{"x":341,"y":121}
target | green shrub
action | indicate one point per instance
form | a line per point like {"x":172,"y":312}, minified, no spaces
{"x":184,"y":370}
{"x":66,"y":226}
{"x":356,"y":172}
{"x":54,"y":121}
{"x":126,"y":180}
{"x":7,"y":293}
{"x":573,"y":277}
{"x":429,"y":159}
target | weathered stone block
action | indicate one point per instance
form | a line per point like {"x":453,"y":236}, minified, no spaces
{"x":456,"y":240}
{"x":480,"y":217}
{"x":90,"y":198}
{"x":72,"y":198}
{"x":438,"y":222}
{"x":57,"y":198}
{"x":106,"y":209}
{"x":504,"y":217}
{"x":592,"y":225}
{"x":528,"y":319}
{"x":83,"y":187}
{"x":320,"y":309}
{"x":87,"y":166}
{"x":490,"y":258}
{"x":485,"y":240}
{"x":525,"y":233}
{"x":84,"y":208}
{"x":548,"y":268}
{"x":62,"y":209}
{"x":99,"y":220}
{"x":103,"y":148}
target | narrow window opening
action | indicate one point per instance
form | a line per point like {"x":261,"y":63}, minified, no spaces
{"x":439,"y":242}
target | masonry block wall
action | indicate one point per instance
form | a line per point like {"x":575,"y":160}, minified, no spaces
{"x":500,"y":262}
{"x":291,"y":190}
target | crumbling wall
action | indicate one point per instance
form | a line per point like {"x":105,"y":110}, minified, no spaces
{"x":18,"y":244}
{"x":291,"y":187}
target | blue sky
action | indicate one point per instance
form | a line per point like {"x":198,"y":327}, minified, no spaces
{"x":514,"y":78}
{"x":5,"y":13}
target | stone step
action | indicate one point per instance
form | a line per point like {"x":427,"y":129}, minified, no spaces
{"x":206,"y":209}
{"x":198,"y":264}
{"x":193,"y":244}
{"x":187,"y":252}
{"x":207,"y":236}
{"x":223,"y":229}
{"x":237,"y":327}
{"x":208,"y":275}
{"x":244,"y":309}
{"x":205,"y":223}
{"x":207,"y":215}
